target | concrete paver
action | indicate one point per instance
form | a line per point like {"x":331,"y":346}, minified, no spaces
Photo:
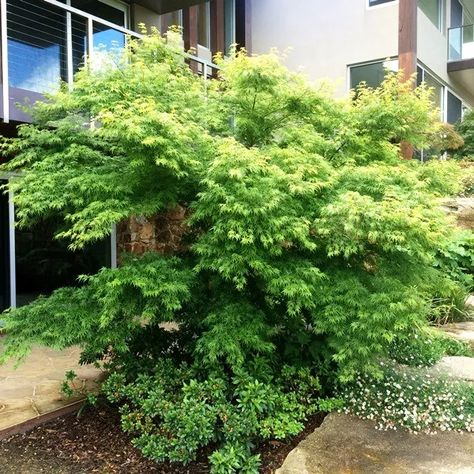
{"x":33,"y":390}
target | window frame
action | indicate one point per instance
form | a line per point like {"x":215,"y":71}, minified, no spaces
{"x":379,"y":4}
{"x":118,"y":5}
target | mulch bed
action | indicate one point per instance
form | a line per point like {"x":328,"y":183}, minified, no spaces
{"x":94,"y":443}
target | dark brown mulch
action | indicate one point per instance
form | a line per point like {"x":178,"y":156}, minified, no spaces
{"x":94,"y":443}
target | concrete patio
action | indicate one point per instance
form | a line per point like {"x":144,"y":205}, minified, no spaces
{"x":31,"y":394}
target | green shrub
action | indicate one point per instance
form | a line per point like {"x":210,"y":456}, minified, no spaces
{"x":413,"y":400}
{"x":466,"y":129}
{"x":174,"y":412}
{"x":309,"y":242}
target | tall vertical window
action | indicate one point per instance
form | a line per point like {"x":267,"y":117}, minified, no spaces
{"x":4,"y":252}
{"x":204,"y":24}
{"x":434,"y":10}
{"x":436,"y":86}
{"x":229,"y":24}
{"x":454,"y":108}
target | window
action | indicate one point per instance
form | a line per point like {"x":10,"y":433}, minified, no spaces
{"x":113,"y":11}
{"x":372,"y":74}
{"x":229,"y":25}
{"x":455,"y":109}
{"x":373,"y":3}
{"x":106,"y":39}
{"x":434,"y":10}
{"x":4,"y":251}
{"x":204,"y":25}
{"x":438,"y":88}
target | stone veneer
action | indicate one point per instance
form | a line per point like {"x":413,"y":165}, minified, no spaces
{"x":161,"y":233}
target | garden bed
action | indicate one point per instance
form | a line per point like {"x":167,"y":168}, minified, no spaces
{"x":94,"y":443}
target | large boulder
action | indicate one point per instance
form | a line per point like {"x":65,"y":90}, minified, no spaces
{"x":346,"y":444}
{"x":463,"y":209}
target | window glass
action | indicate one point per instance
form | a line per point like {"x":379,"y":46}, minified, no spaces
{"x":372,"y":74}
{"x":204,"y":25}
{"x":454,"y":108}
{"x":44,"y":263}
{"x":437,"y":90}
{"x":433,"y":9}
{"x":378,"y":2}
{"x":4,"y":252}
{"x":229,"y":24}
{"x":36,"y":46}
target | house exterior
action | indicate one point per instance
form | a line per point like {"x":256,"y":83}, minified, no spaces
{"x":349,"y":41}
{"x":44,"y":42}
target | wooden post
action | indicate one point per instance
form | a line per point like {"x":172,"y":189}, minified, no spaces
{"x":407,"y":50}
{"x":190,"y":32}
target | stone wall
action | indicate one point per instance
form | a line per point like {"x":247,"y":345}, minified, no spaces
{"x":462,"y":209}
{"x":161,"y":233}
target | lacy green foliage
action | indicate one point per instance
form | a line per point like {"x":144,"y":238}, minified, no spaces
{"x":465,"y":128}
{"x":425,"y":348}
{"x":411,"y":399}
{"x":103,"y":313}
{"x":173,"y":412}
{"x":310,"y":243}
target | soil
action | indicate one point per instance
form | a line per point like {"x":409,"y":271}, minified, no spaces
{"x":94,"y":443}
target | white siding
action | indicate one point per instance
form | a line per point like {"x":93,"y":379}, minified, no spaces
{"x":325,"y":37}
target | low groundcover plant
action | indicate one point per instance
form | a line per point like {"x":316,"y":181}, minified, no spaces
{"x":416,"y":400}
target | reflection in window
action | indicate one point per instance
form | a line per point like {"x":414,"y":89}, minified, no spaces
{"x":372,"y":74}
{"x":229,"y":24}
{"x":454,"y":106}
{"x":106,"y":39}
{"x":435,"y":85}
{"x":204,"y":24}
{"x":37,"y":46}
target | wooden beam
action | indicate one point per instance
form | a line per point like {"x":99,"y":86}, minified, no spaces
{"x":407,"y":37}
{"x":190,"y":28}
{"x":407,"y":51}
